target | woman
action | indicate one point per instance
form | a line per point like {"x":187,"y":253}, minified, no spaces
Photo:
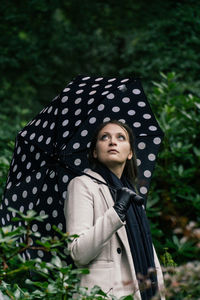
{"x":114,"y":240}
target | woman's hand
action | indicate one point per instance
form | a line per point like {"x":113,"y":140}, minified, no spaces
{"x":123,"y":201}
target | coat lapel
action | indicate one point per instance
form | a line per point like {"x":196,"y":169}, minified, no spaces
{"x":109,"y":201}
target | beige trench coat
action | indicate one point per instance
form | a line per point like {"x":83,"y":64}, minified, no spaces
{"x":102,"y":245}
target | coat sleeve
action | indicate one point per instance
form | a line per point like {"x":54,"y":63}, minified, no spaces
{"x":79,"y":214}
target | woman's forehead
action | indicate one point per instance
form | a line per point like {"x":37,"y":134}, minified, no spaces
{"x":113,"y":128}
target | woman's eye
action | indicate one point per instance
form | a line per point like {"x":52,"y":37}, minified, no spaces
{"x":121,"y":137}
{"x":104,"y":137}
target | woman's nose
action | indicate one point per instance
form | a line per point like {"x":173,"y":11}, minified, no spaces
{"x":112,"y":141}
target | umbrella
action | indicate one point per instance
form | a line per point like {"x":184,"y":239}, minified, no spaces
{"x":60,"y":135}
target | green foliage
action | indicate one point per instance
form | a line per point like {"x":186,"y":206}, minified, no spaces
{"x":175,"y":186}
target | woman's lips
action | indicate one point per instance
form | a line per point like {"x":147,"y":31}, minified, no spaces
{"x":113,"y":151}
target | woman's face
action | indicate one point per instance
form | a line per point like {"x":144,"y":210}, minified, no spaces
{"x":113,"y":147}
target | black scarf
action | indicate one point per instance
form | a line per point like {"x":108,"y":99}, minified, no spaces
{"x":138,"y":232}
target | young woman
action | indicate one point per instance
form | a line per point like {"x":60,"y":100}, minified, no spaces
{"x":114,"y":240}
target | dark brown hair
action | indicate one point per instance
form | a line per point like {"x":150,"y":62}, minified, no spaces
{"x":130,"y":169}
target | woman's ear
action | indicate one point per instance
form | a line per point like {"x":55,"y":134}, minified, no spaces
{"x":130,"y":155}
{"x":94,"y":153}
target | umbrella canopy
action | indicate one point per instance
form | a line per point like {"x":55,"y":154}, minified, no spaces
{"x":60,"y":135}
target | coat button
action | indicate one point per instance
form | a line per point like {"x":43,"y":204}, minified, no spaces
{"x":119,"y":250}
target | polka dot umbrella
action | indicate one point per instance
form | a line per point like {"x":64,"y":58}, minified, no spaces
{"x":60,"y":136}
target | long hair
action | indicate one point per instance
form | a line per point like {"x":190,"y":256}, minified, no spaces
{"x":130,"y":169}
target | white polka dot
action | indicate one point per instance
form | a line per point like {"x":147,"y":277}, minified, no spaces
{"x":138,"y":162}
{"x":126,"y":100}
{"x":137,"y":124}
{"x":65,"y":111}
{"x":40,"y":253}
{"x":88,"y":145}
{"x":65,"y":122}
{"x":131,"y":112}
{"x":64,"y":194}
{"x":76,"y":145}
{"x":66,"y":89}
{"x":157,"y":140}
{"x":43,"y":163}
{"x":19,"y":175}
{"x":142,"y":134}
{"x":48,"y":140}
{"x":92,"y":92}
{"x":147,"y":116}
{"x":77,"y":112}
{"x":152,"y":128}
{"x":52,"y":174}
{"x":21,"y":209}
{"x":65,"y":134}
{"x":105,"y":93}
{"x":95,"y":85}
{"x":101,"y":107}
{"x":82,"y":84}
{"x":141,"y":104}
{"x":50,"y":110}
{"x":141,"y":146}
{"x":78,"y":100}
{"x":15,"y":168}
{"x":122,"y":120}
{"x":18,"y":150}
{"x":34,"y":190}
{"x":115,"y":109}
{"x":64,"y":99}
{"x":6,"y":202}
{"x":112,"y":79}
{"x":77,"y":162}
{"x":124,"y":80}
{"x":56,"y":187}
{"x":136,"y":91}
{"x":60,"y":226}
{"x":52,"y":126}
{"x":49,"y":200}
{"x":108,"y":86}
{"x":24,"y":194}
{"x":48,"y":227}
{"x":30,"y":205}
{"x":147,"y":173}
{"x":3,"y":221}
{"x":90,"y":101}
{"x":8,"y":217}
{"x":45,"y":124}
{"x":79,"y":92}
{"x":110,"y":96}
{"x":38,"y":175}
{"x":14,"y":197}
{"x":107,"y":119}
{"x":86,"y":78}
{"x":40,"y":138}
{"x":38,"y":122}
{"x":37,"y":156}
{"x":54,"y":213}
{"x":32,"y":136}
{"x":84,"y":133}
{"x":65,"y":178}
{"x":24,"y":133}
{"x":92,"y":120}
{"x":34,"y":227}
{"x":143,"y":190}
{"x":28,"y":179}
{"x":32,"y":148}
{"x":151,"y":157}
{"x":28,"y":166}
{"x":98,"y":79}
{"x":44,"y":188}
{"x":78,"y":123}
{"x":56,"y":112}
{"x":42,"y":213}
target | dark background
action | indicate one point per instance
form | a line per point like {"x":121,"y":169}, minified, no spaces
{"x":44,"y":44}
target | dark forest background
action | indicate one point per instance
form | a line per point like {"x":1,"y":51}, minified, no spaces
{"x":46,"y":43}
